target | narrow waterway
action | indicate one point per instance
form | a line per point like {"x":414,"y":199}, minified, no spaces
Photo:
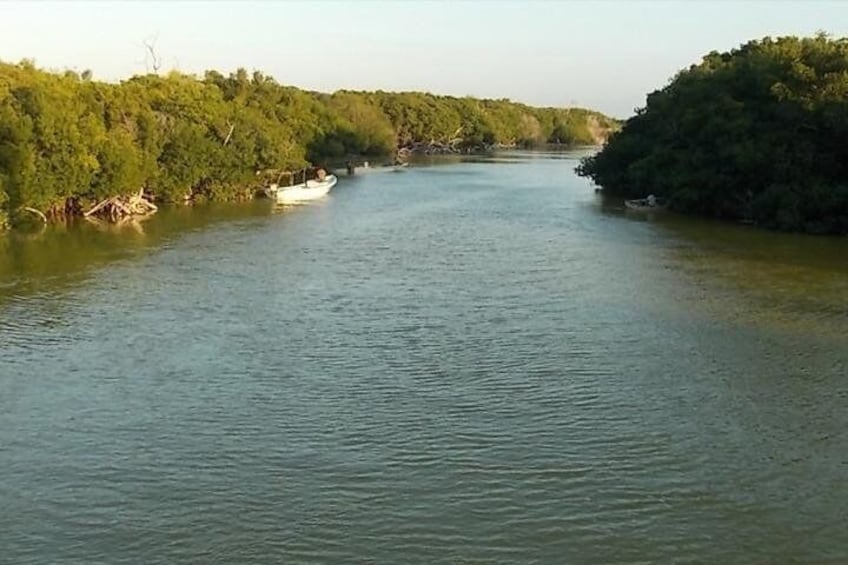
{"x":479,"y":361}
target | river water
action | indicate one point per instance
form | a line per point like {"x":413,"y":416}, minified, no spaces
{"x":479,"y":361}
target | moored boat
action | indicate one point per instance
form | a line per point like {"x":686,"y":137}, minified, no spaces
{"x":646,"y":204}
{"x":305,"y":191}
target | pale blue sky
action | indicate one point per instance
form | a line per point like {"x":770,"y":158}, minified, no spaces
{"x":604,"y":55}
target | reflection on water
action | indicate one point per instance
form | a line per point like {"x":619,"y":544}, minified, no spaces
{"x":747,"y":275}
{"x":48,"y":257}
{"x":781,"y":280}
{"x":470,"y":362}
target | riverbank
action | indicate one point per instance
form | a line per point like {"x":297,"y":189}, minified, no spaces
{"x":133,"y":207}
{"x":743,"y":136}
{"x":69,"y":141}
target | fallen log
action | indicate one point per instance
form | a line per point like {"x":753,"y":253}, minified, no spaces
{"x":151,"y":207}
{"x":100,"y":205}
{"x":121,"y":207}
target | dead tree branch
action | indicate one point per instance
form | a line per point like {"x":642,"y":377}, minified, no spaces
{"x":151,"y":58}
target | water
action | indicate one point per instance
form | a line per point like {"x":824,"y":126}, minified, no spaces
{"x":474,"y":362}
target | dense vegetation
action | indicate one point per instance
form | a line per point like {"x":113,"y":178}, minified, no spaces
{"x":67,"y":141}
{"x":758,"y":134}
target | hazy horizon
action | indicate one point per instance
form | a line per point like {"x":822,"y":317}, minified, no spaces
{"x":601,"y":55}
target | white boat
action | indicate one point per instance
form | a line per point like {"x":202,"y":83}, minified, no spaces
{"x":309,"y":190}
{"x":646,"y":204}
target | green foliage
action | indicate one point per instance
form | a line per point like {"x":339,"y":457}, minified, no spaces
{"x":67,"y":137}
{"x":758,"y":134}
{"x":473,"y":123}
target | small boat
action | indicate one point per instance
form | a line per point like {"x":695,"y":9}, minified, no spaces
{"x":309,"y":190}
{"x":646,"y":204}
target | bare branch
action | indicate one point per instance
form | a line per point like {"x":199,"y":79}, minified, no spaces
{"x":38,"y":213}
{"x":151,"y":58}
{"x":230,"y":134}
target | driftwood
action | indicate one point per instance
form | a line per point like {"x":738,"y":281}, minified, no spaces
{"x":116,"y":208}
{"x":97,"y":207}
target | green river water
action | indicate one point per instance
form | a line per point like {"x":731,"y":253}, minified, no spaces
{"x":480,"y":361}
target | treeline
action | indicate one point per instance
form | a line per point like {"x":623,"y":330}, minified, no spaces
{"x":67,"y":141}
{"x":758,"y":134}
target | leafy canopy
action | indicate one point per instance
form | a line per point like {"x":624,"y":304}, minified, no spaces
{"x":759,"y":133}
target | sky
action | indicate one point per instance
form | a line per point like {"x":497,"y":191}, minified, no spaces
{"x":604,"y":55}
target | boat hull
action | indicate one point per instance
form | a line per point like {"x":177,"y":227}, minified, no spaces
{"x":642,"y":205}
{"x":303,"y":192}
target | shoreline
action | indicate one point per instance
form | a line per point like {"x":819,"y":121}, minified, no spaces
{"x":255,"y":192}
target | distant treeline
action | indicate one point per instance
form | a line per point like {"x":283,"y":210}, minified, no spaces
{"x":67,"y":140}
{"x":759,"y":134}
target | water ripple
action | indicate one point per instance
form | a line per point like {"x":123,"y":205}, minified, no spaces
{"x":469,"y":363}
